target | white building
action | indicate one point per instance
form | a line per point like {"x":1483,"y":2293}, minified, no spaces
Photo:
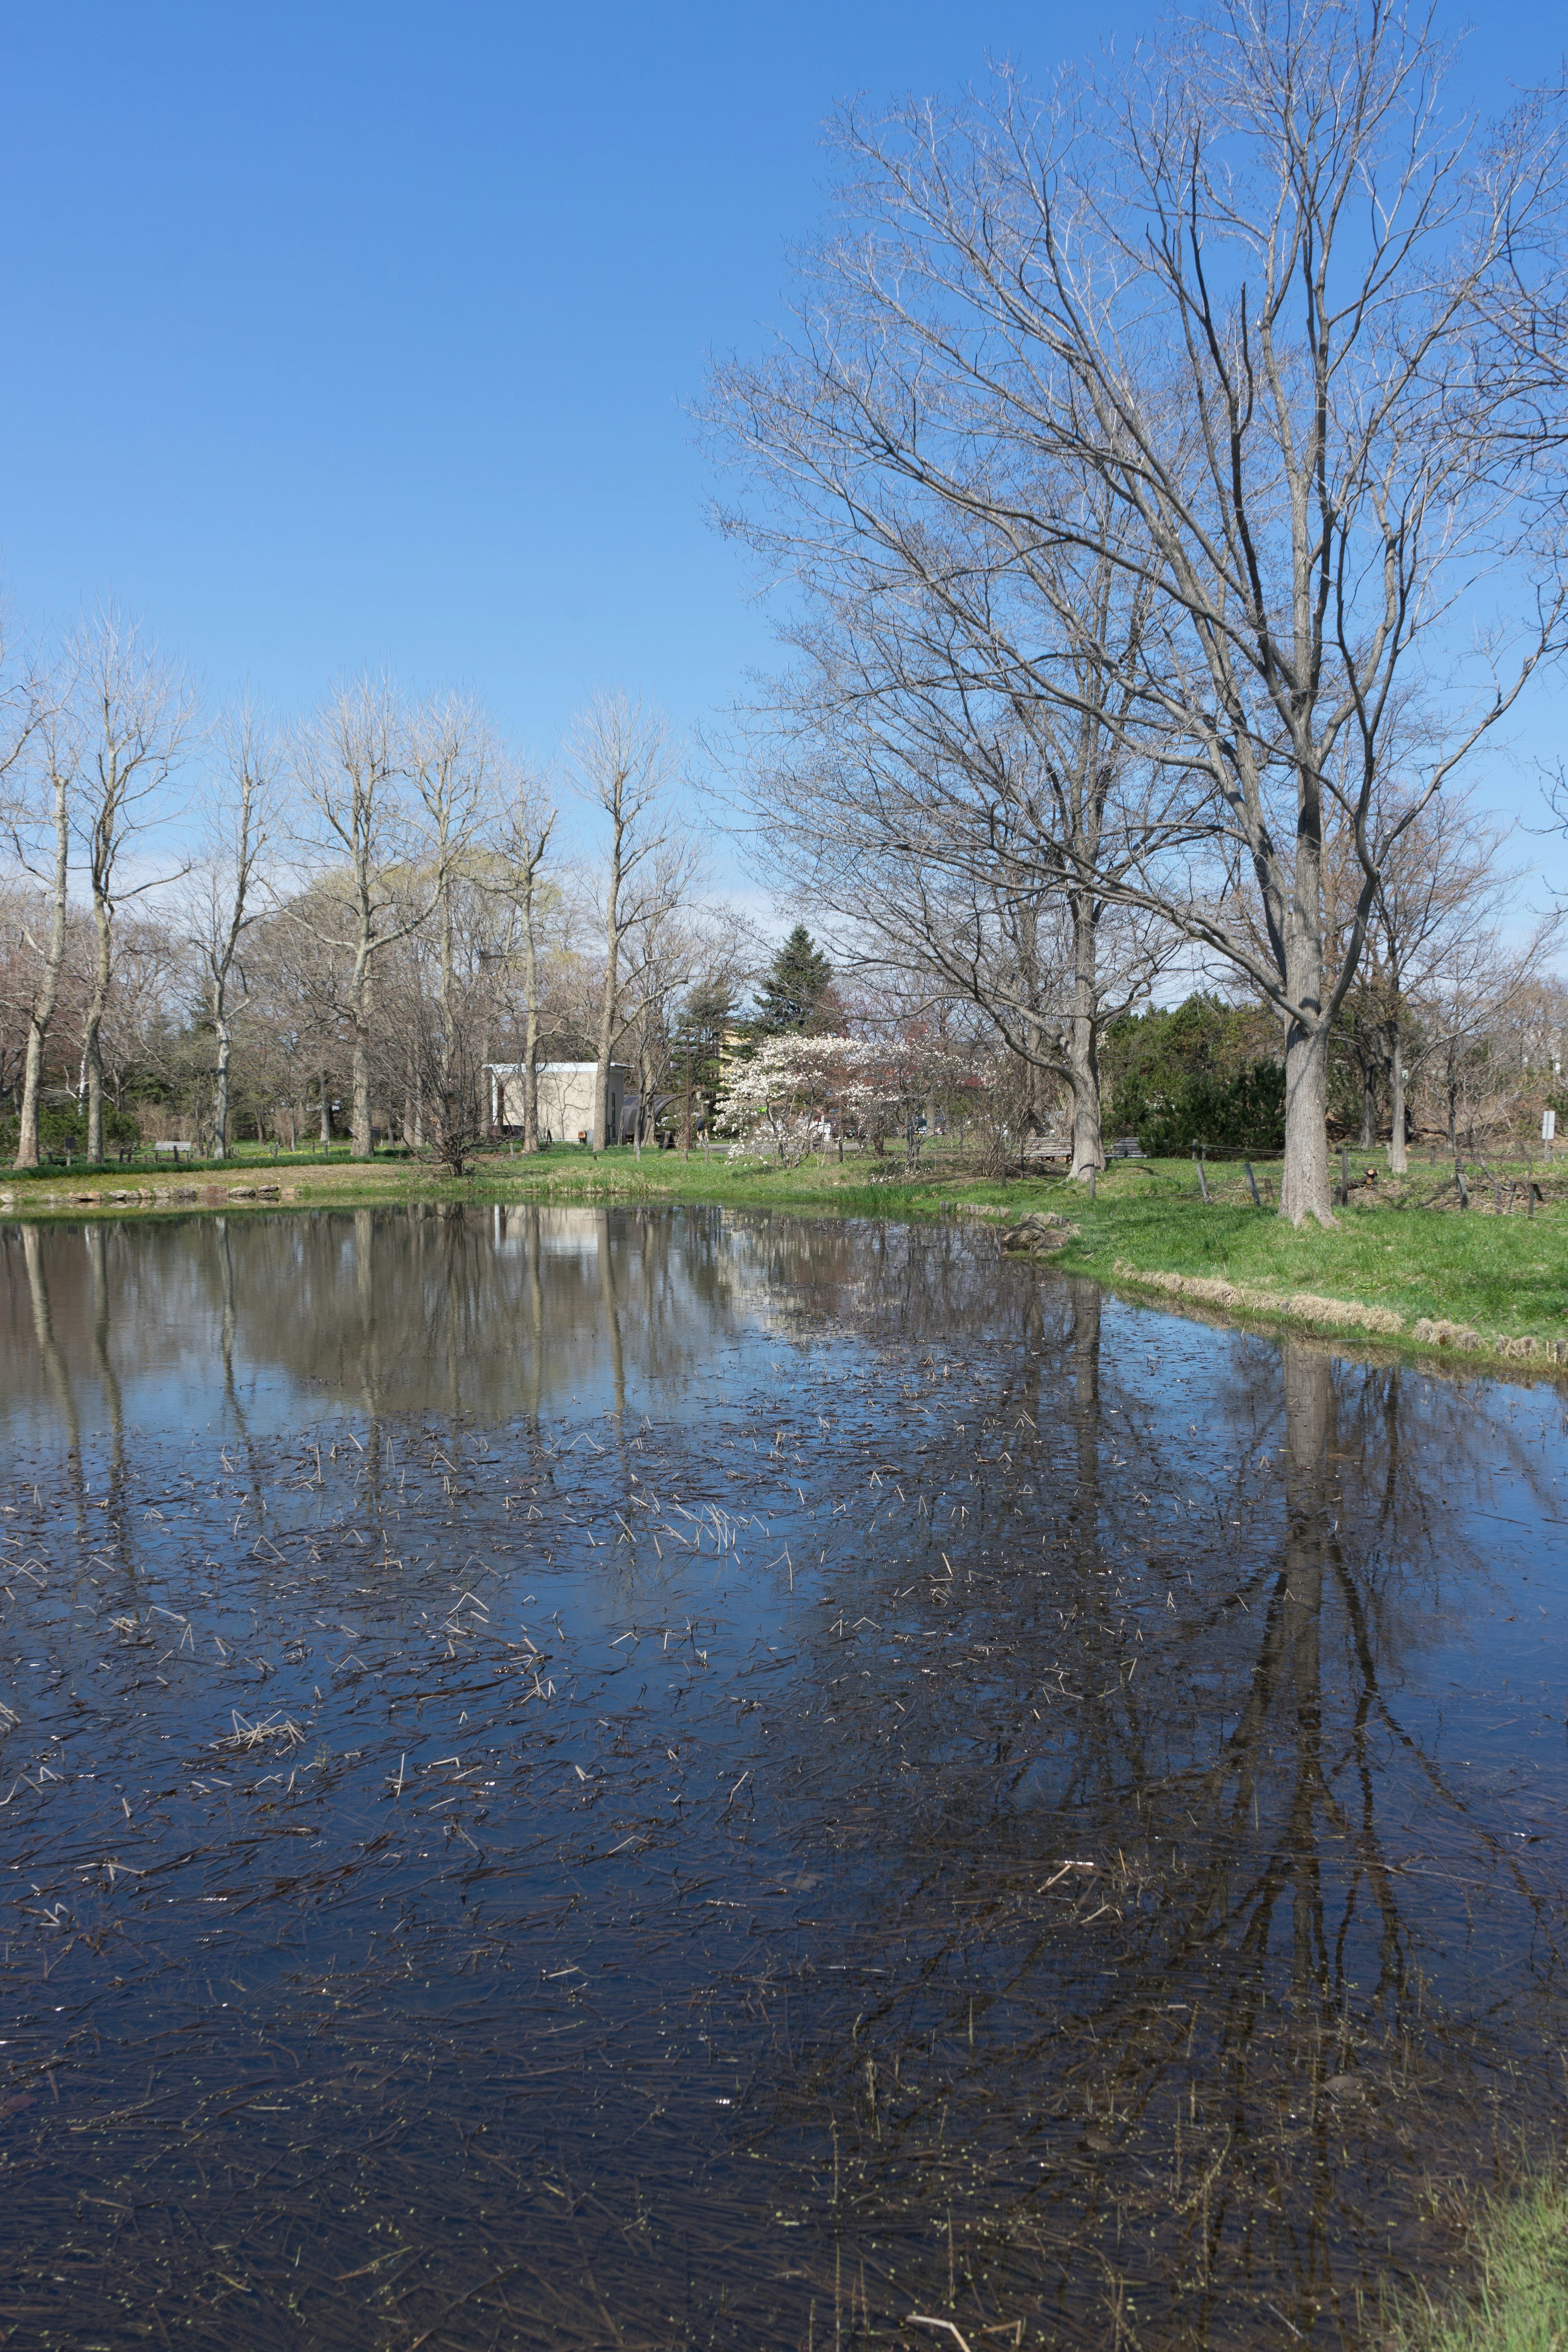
{"x":566,"y":1098}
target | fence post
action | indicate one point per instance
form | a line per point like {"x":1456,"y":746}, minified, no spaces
{"x":1344,"y":1177}
{"x":1198,"y":1164}
{"x":1253,"y":1182}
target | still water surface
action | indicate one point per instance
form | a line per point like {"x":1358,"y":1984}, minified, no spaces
{"x":662,"y":1780}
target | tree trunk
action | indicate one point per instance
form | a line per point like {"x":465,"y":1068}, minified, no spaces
{"x":44,"y":996}
{"x":1398,"y":1155}
{"x":326,"y":1114}
{"x":1304,"y":1182}
{"x":530,"y":1034}
{"x":445,"y":988}
{"x":1368,"y":1107}
{"x":220,"y":1107}
{"x":605,"y":1047}
{"x":362,"y":1006}
{"x":1083,"y":1044}
{"x":92,"y":1028}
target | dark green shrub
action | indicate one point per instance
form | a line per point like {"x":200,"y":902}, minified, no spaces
{"x":62,"y":1127}
{"x":1244,"y":1112}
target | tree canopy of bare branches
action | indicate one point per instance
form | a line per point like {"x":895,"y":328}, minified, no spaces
{"x":1231,"y":322}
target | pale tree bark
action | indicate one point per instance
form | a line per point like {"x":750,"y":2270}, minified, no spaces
{"x":52,"y":948}
{"x":1083,"y":1039}
{"x":530,"y":822}
{"x":450,"y":759}
{"x":228,"y":903}
{"x":955,"y":816}
{"x":624,"y":770}
{"x":136,"y":713}
{"x":1398,"y":1137}
{"x":1434,"y":945}
{"x":384,"y":878}
{"x":1236,"y":291}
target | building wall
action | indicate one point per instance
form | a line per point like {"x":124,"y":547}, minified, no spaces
{"x":565,"y":1099}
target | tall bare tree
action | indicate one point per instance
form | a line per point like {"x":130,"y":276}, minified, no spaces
{"x":528,"y":824}
{"x":1232,"y":298}
{"x":137,"y":709}
{"x":386,"y":871}
{"x":228,"y":901}
{"x":450,"y":759}
{"x":625,"y":770}
{"x":43,"y":848}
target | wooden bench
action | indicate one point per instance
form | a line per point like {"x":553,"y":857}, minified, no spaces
{"x":1046,"y":1147}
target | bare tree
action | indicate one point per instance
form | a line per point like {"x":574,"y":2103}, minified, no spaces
{"x":43,"y":850}
{"x":1434,"y":967}
{"x":677,"y":945}
{"x":387,"y":871}
{"x":136,"y":711}
{"x":1232,"y":299}
{"x":529,"y":823}
{"x":450,"y":759}
{"x":228,"y":901}
{"x":624,"y":770}
{"x":972,"y":837}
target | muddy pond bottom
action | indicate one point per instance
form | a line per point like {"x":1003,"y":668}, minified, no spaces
{"x":599,"y":1779}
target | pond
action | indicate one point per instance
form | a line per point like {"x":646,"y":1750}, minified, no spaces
{"x":656,"y":1779}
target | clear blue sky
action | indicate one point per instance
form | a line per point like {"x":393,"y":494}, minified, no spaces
{"x":357,"y":333}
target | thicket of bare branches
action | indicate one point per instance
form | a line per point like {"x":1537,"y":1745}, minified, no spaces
{"x":1196,"y":407}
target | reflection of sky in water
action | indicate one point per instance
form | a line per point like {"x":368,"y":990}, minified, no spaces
{"x":878,"y":1583}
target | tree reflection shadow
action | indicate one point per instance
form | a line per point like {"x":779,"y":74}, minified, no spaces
{"x":1159,"y":2020}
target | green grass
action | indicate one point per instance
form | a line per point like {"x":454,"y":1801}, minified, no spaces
{"x":252,"y":1157}
{"x":1519,"y":2300}
{"x":1502,"y":1275}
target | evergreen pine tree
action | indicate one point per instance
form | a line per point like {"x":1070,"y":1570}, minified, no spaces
{"x":792,"y":992}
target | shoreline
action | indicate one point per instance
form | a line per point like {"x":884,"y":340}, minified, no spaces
{"x":1487,"y":1289}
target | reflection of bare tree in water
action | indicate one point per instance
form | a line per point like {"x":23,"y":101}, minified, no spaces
{"x":117,"y":1497}
{"x":52,"y":1358}
{"x":1105,"y":1901}
{"x":1158,"y":2014}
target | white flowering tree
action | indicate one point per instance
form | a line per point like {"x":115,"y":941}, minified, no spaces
{"x":782,"y":1097}
{"x":796,"y":1093}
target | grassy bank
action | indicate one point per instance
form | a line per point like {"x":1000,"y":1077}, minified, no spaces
{"x":1490,"y":1277}
{"x":1518,"y":2303}
{"x":1489,"y":1274}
